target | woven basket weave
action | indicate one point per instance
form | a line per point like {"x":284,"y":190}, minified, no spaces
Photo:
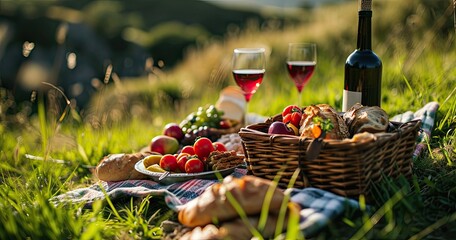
{"x":343,"y":167}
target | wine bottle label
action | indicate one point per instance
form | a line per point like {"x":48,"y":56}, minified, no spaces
{"x":350,"y":98}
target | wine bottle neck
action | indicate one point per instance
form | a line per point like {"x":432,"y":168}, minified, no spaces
{"x":364,"y":30}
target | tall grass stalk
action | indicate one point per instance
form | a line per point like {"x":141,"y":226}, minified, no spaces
{"x":285,"y":206}
{"x":439,"y":223}
{"x":293,"y":231}
{"x":43,"y":126}
{"x":266,"y":204}
{"x":381,"y":212}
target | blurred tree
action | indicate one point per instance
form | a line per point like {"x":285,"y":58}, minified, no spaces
{"x":99,"y":34}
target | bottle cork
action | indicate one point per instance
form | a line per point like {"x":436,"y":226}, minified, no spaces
{"x":365,"y":5}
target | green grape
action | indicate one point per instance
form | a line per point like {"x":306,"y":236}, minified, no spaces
{"x":205,"y":117}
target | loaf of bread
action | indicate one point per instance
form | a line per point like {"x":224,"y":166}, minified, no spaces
{"x":361,"y":119}
{"x":238,"y":229}
{"x":215,"y":205}
{"x":324,"y":111}
{"x":119,"y":167}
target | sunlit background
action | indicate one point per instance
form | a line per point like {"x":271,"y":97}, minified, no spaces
{"x":71,"y":43}
{"x":82,"y":46}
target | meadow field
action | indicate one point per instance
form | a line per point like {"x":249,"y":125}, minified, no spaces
{"x":415,"y":40}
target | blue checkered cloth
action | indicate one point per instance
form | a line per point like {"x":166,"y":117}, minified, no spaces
{"x":319,"y":207}
{"x":426,"y":115}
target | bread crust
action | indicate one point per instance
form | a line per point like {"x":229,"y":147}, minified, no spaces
{"x":324,"y":111}
{"x":120,"y":167}
{"x":238,"y":229}
{"x":214,"y":204}
{"x":371,"y":119}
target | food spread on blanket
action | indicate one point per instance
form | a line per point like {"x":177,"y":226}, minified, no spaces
{"x":205,"y":140}
{"x":322,"y":121}
{"x":204,"y":155}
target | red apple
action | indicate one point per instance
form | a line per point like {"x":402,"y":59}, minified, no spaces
{"x":173,"y":130}
{"x":280,"y":128}
{"x":164,"y":144}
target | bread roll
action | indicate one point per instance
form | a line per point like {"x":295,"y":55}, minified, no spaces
{"x":361,"y":119}
{"x":214,"y":204}
{"x":119,"y":167}
{"x":324,"y":111}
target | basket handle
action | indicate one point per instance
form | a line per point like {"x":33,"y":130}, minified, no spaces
{"x":314,"y":148}
{"x":256,"y":128}
{"x":312,"y":152}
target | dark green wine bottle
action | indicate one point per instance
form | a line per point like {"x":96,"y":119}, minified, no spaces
{"x":363,"y":68}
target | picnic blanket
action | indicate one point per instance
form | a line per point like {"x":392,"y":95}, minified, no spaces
{"x":319,"y":207}
{"x":426,"y":115}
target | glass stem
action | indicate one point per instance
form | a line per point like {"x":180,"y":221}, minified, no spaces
{"x":246,"y":110}
{"x":299,"y":99}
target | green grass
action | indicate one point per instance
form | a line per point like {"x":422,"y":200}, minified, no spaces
{"x":419,"y":56}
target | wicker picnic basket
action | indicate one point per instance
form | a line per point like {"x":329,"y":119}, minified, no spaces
{"x":343,"y":167}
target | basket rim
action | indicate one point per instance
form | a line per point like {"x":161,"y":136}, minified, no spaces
{"x":378,"y":137}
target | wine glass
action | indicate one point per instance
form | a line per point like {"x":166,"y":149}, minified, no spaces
{"x":248,"y":71}
{"x":301,"y":61}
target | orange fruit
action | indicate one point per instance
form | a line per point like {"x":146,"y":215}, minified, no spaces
{"x":316,"y":131}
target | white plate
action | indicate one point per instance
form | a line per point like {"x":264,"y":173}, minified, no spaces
{"x":182,"y":177}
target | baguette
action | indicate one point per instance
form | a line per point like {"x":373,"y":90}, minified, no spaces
{"x":236,"y":229}
{"x":214,"y":204}
{"x":120,"y":167}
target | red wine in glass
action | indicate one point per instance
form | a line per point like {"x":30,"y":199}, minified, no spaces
{"x":248,"y":80}
{"x":300,"y":72}
{"x":248,"y":71}
{"x":301,"y":61}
